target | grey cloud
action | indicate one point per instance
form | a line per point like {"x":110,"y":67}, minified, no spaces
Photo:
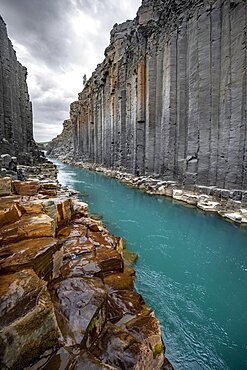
{"x":59,"y":47}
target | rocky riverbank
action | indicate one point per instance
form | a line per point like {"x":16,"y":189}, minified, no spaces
{"x":67,"y":293}
{"x":229,"y":204}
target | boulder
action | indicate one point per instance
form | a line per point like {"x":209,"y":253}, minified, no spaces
{"x":27,"y":322}
{"x":86,"y":265}
{"x":44,"y":255}
{"x":146,"y":329}
{"x":9,"y":215}
{"x":80,"y":307}
{"x":117,"y":348}
{"x":27,"y":227}
{"x":26,"y":187}
{"x":120,"y":281}
{"x":5,"y":186}
{"x":109,"y":260}
{"x":124,"y":303}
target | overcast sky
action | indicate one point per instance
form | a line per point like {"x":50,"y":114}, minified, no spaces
{"x":58,"y":41}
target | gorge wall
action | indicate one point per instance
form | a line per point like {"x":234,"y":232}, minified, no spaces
{"x":170,"y":95}
{"x":16,"y":121}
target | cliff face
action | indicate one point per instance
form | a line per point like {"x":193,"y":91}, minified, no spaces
{"x":170,"y":96}
{"x":62,"y":146}
{"x":16,"y":125}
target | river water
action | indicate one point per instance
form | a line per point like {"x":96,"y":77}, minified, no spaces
{"x":191,"y":270}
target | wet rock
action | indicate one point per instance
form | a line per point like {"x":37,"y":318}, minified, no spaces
{"x":109,"y":260}
{"x":75,"y":247}
{"x":87,"y":265}
{"x":101,"y":239}
{"x":73,"y":231}
{"x":86,"y":361}
{"x":44,"y":255}
{"x":124,"y":302}
{"x":146,"y":329}
{"x":120,"y":281}
{"x":27,"y":320}
{"x":122,"y":351}
{"x":26,"y":187}
{"x":27,"y":227}
{"x":80,"y":307}
{"x":5,"y":186}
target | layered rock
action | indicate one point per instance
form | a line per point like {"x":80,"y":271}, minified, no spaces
{"x":16,"y":120}
{"x":170,"y":96}
{"x":66,"y":296}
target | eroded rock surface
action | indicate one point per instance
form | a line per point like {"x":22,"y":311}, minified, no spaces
{"x":66,"y":297}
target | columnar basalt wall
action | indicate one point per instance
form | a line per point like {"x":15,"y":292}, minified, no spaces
{"x":16,"y":125}
{"x":170,"y":96}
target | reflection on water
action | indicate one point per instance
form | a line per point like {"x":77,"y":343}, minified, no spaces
{"x":192,"y":269}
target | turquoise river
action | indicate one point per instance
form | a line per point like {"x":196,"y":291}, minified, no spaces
{"x":191,"y":270}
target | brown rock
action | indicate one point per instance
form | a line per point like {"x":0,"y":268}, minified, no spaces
{"x":9,"y":215}
{"x":27,"y":320}
{"x":146,"y":329}
{"x":73,"y":231}
{"x":129,"y":257}
{"x":74,"y":247}
{"x":44,"y":255}
{"x":86,"y":265}
{"x":27,"y":227}
{"x":32,"y":206}
{"x":117,"y":348}
{"x":80,"y":307}
{"x":86,"y":361}
{"x":5,"y":186}
{"x":120,"y":281}
{"x":109,"y":260}
{"x":124,"y":303}
{"x":26,"y":187}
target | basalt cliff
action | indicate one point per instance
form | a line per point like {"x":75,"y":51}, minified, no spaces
{"x":170,"y":96}
{"x":16,"y":119}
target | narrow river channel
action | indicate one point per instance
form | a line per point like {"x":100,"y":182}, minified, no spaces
{"x":192,"y":269}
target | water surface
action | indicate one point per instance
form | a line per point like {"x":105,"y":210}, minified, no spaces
{"x":192,"y":269}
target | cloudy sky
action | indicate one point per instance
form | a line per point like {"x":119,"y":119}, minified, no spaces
{"x":59,"y":41}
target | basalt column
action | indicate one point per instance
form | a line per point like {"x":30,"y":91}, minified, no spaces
{"x":170,"y":97}
{"x":16,"y":125}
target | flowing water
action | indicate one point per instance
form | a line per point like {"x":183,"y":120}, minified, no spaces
{"x":192,"y":269}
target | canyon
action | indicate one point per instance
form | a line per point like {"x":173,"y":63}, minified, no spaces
{"x":169,"y":99}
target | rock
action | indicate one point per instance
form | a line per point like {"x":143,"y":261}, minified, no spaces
{"x":146,"y":329}
{"x":129,"y":257}
{"x":44,"y":255}
{"x":26,"y":187}
{"x":5,"y":186}
{"x":85,"y":266}
{"x":27,"y":227}
{"x":27,"y":321}
{"x":109,"y":260}
{"x":86,"y":361}
{"x":74,"y":247}
{"x":117,"y":348}
{"x":6,"y":160}
{"x":9,"y":215}
{"x":124,"y":303}
{"x":80,"y":307}
{"x":120,"y":281}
